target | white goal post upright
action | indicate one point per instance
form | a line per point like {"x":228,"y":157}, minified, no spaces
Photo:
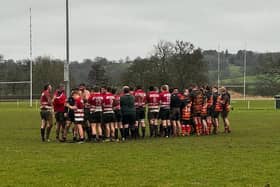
{"x":31,"y":58}
{"x":219,"y":62}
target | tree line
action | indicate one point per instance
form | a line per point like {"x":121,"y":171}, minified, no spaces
{"x":177,"y":63}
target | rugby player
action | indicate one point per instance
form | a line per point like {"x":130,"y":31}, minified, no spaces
{"x":197,"y":101}
{"x":108,"y":113}
{"x":218,"y":108}
{"x":209,"y":96}
{"x":69,"y":114}
{"x":186,"y":113}
{"x":96,"y":103}
{"x":59,"y":100}
{"x":153,"y":110}
{"x":46,"y":112}
{"x":118,"y":114}
{"x":85,"y":93}
{"x":175,"y":105}
{"x":204,"y":114}
{"x":164,"y":113}
{"x":140,"y":102}
{"x":128,"y":113}
{"x":226,"y":109}
{"x":79,"y":114}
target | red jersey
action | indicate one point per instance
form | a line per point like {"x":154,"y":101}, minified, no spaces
{"x":59,"y":100}
{"x":45,"y":100}
{"x":95,"y":101}
{"x":165,"y":98}
{"x":108,"y":101}
{"x":153,"y":100}
{"x":117,"y":102}
{"x":140,"y":98}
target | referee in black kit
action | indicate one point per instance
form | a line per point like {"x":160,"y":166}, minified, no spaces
{"x":128,"y":113}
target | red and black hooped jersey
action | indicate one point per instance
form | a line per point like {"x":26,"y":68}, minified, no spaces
{"x":79,"y":112}
{"x":186,"y":111}
{"x":217,"y":102}
{"x":197,"y":100}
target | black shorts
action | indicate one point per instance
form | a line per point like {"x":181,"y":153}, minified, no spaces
{"x":224,"y":114}
{"x":59,"y":117}
{"x":87,"y":114}
{"x":108,"y":118}
{"x":186,"y":122}
{"x":175,"y":114}
{"x":216,"y":114}
{"x":152,"y":115}
{"x":118,"y":116}
{"x":96,"y":117}
{"x":70,"y":116}
{"x":129,"y":119}
{"x":45,"y":114}
{"x":140,"y":114}
{"x":209,"y":112}
{"x":164,"y":114}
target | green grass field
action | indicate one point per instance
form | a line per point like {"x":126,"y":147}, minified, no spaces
{"x":250,"y":156}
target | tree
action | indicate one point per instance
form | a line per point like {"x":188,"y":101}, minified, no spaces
{"x":97,"y":75}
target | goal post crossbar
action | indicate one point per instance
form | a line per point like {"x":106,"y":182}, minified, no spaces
{"x":16,"y":82}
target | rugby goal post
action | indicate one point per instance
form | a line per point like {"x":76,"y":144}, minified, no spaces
{"x":21,"y":82}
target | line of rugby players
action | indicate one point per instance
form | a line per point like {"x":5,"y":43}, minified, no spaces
{"x":97,"y":113}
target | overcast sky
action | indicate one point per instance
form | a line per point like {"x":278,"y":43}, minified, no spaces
{"x":118,"y":28}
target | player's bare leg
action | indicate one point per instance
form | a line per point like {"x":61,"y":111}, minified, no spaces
{"x":205,"y":127}
{"x":227,"y":125}
{"x":107,"y":133}
{"x":168,"y":128}
{"x":209,"y":124}
{"x":81,"y":132}
{"x":143,"y":127}
{"x":112,"y":131}
{"x":179,"y":128}
{"x":99,"y":131}
{"x":93,"y":131}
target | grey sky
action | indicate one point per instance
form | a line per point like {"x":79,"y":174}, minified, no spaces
{"x":119,"y":28}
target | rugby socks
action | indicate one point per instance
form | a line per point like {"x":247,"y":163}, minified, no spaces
{"x":126,"y":133}
{"x":152,"y":127}
{"x":43,"y":134}
{"x":88,"y":130}
{"x":169,"y":130}
{"x":122,"y":132}
{"x":183,"y":127}
{"x":188,"y":130}
{"x":94,"y":137}
{"x":165,"y":131}
{"x":156,"y":130}
{"x":143,"y":132}
{"x":136,"y":131}
{"x":116,"y":133}
{"x":209,"y":126}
